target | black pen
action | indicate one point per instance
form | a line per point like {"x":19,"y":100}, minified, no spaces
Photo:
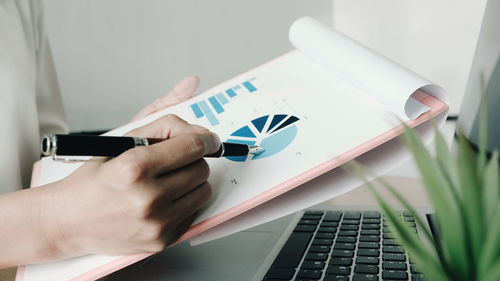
{"x":86,"y":145}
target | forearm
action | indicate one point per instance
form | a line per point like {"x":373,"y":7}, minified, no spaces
{"x":27,"y":234}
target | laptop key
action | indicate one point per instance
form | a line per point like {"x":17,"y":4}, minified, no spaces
{"x":291,"y":253}
{"x":346,"y":239}
{"x":327,"y":229}
{"x":308,"y":222}
{"x":310,"y":274}
{"x":394,"y":274}
{"x":342,"y":253}
{"x":366,"y":269}
{"x":348,"y":233}
{"x":341,"y":261}
{"x":329,"y":224}
{"x":316,"y":256}
{"x":349,"y":227}
{"x":370,"y":226}
{"x":317,"y":265}
{"x":371,"y":215}
{"x":352,"y":215}
{"x":325,"y":242}
{"x":280,"y":273}
{"x":390,"y":242}
{"x":369,"y":238}
{"x":315,"y":213}
{"x":354,"y":222}
{"x":319,"y":249}
{"x":368,"y":252}
{"x":367,"y":260}
{"x":369,"y":245}
{"x":332,"y":216}
{"x":338,"y":270}
{"x":364,"y":277}
{"x":393,"y":257}
{"x":393,"y":249}
{"x":325,"y":235}
{"x":344,"y":246}
{"x":388,"y":236}
{"x":365,"y":220}
{"x":336,"y":278}
{"x":370,"y":232}
{"x":310,"y":217}
{"x":394,"y":265}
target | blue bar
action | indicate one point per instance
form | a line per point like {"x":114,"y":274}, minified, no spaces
{"x":215,"y":103}
{"x":208,"y":113}
{"x":249,"y":86}
{"x":197,"y":111}
{"x":222,"y":98}
{"x":231,"y":93}
{"x":237,"y":87}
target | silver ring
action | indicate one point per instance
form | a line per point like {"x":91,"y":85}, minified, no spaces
{"x":140,"y":141}
{"x":49,"y":145}
{"x":223,"y":149}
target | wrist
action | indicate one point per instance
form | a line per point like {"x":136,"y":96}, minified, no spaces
{"x":57,"y":222}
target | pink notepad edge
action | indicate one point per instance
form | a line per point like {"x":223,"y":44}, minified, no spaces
{"x":436,"y":106}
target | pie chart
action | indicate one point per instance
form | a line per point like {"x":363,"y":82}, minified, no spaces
{"x":271,"y":132}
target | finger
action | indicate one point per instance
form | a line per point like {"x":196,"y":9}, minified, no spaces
{"x":190,"y":203}
{"x":176,"y":184}
{"x":173,"y":236}
{"x":166,"y":127}
{"x":182,"y":91}
{"x":165,"y":156}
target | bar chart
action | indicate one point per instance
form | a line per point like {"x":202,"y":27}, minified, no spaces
{"x":272,"y":132}
{"x":213,"y":106}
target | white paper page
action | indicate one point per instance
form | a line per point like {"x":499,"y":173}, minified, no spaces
{"x":375,"y":75}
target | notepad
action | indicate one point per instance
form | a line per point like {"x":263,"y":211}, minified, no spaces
{"x":326,"y":102}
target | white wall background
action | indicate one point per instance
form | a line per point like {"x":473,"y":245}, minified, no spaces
{"x":115,"y":56}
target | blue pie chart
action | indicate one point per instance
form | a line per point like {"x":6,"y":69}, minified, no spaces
{"x":271,"y":132}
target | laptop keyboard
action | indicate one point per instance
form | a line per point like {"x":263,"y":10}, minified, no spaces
{"x":343,"y":246}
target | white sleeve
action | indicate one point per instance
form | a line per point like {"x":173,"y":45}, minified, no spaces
{"x":51,"y":116}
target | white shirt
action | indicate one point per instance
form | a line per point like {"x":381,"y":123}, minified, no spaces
{"x":30,"y":102}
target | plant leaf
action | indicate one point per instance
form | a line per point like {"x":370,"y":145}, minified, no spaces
{"x":424,"y":257}
{"x":492,"y":272}
{"x":483,"y":130}
{"x":446,"y":208}
{"x":491,"y":187}
{"x":447,"y":165}
{"x":472,"y":192}
{"x":491,"y":247}
{"x":412,"y":211}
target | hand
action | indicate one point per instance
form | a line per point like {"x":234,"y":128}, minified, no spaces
{"x":140,"y":201}
{"x":182,"y":91}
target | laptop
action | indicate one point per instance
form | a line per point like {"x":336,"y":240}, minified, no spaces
{"x":351,"y":243}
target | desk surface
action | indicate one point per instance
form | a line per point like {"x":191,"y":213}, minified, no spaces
{"x":408,"y":187}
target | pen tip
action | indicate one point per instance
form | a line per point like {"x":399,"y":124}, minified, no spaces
{"x":255,"y":150}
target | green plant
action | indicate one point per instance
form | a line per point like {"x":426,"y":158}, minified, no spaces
{"x":464,"y":192}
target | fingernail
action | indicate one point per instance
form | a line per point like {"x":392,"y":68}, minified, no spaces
{"x":212,"y":142}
